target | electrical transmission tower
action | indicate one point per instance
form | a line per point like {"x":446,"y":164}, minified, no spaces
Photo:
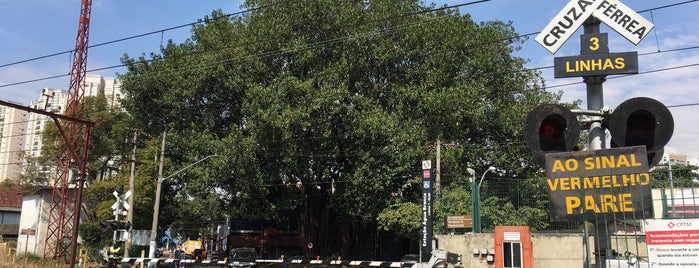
{"x":66,"y":200}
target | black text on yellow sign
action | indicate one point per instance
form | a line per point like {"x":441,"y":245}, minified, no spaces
{"x":591,"y":184}
{"x":596,"y":64}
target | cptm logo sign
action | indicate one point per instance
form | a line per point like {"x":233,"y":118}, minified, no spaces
{"x":672,"y":225}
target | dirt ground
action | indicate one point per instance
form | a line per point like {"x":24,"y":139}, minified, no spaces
{"x":9,"y":259}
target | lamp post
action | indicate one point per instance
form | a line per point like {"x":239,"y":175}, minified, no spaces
{"x":476,"y":198}
{"x":156,"y":205}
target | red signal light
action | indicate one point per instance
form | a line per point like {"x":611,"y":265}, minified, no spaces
{"x":552,"y":128}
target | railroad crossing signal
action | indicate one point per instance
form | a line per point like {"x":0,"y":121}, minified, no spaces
{"x":121,"y":207}
{"x":116,"y":225}
{"x":550,"y":128}
{"x":644,"y":121}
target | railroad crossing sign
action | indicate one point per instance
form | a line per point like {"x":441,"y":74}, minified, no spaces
{"x":120,"y":207}
{"x":616,"y":15}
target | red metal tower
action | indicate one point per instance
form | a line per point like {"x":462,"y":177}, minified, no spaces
{"x":66,"y":203}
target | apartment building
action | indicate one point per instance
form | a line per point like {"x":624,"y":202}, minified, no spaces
{"x":13,"y":128}
{"x":109,"y":86}
{"x":56,"y":101}
{"x":674,"y":157}
{"x":51,"y":100}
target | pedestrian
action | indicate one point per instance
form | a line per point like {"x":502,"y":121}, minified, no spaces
{"x":179,"y":252}
{"x":113,"y":254}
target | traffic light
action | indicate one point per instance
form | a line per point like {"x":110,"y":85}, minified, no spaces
{"x":642,"y":121}
{"x":108,"y":224}
{"x":116,"y":225}
{"x":551,"y":128}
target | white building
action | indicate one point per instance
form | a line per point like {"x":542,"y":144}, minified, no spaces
{"x":56,"y":100}
{"x":13,"y":124}
{"x":51,"y":100}
{"x":678,"y":158}
{"x":109,"y":86}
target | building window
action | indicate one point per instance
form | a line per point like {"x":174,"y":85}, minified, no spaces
{"x":512,"y":252}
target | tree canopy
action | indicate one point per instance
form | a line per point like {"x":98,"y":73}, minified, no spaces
{"x":325,"y":108}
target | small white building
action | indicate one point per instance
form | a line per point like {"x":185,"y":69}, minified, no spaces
{"x":36,"y":205}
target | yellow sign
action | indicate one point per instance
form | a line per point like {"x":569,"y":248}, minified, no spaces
{"x":596,"y":64}
{"x":599,"y":183}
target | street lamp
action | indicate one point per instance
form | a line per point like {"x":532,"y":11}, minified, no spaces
{"x":475,"y":198}
{"x":156,"y":205}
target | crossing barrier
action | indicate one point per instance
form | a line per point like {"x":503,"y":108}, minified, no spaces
{"x":266,"y":262}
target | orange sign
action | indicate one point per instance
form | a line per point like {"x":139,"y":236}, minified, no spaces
{"x":459,"y":221}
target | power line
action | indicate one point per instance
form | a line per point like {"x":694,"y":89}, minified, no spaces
{"x":139,"y":36}
{"x":307,"y":46}
{"x":194,"y":23}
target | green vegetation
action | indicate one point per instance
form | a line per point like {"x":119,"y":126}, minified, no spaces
{"x":322,"y":110}
{"x":342,"y":99}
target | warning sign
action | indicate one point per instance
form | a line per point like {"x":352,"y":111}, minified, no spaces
{"x":673,"y":243}
{"x":611,"y":183}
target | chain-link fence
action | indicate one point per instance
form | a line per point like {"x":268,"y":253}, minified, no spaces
{"x":506,"y":201}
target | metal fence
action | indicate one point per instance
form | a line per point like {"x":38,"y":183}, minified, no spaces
{"x":610,"y":239}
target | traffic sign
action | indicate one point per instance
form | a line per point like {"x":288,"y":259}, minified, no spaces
{"x":459,"y":221}
{"x":623,"y":20}
{"x":564,"y":25}
{"x":616,"y":15}
{"x":596,"y":64}
{"x":612,"y":183}
{"x":120,"y":207}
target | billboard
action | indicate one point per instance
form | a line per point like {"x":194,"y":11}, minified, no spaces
{"x":612,"y":184}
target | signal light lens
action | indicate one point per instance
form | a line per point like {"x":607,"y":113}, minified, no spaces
{"x":551,"y":133}
{"x":550,"y":128}
{"x":641,"y":121}
{"x":640,"y":128}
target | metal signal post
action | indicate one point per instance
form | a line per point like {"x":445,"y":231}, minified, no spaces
{"x":551,"y":128}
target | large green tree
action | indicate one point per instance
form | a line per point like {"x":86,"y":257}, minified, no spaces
{"x":325,"y":108}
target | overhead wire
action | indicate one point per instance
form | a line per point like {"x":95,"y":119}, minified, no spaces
{"x":343,"y":39}
{"x":326,"y":42}
{"x":139,"y":36}
{"x":307,"y":45}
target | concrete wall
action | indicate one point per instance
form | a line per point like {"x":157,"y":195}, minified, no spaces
{"x":558,"y":250}
{"x":34,"y":216}
{"x":551,"y":250}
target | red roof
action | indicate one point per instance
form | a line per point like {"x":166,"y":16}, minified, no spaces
{"x":10,"y":197}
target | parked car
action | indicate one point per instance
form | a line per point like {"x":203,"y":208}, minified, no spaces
{"x":410,"y":258}
{"x":243,"y":257}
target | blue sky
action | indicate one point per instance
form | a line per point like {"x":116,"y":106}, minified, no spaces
{"x":35,"y":28}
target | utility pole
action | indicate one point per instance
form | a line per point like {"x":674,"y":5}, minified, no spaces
{"x":438,"y":174}
{"x":156,"y":204}
{"x":132,"y":185}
